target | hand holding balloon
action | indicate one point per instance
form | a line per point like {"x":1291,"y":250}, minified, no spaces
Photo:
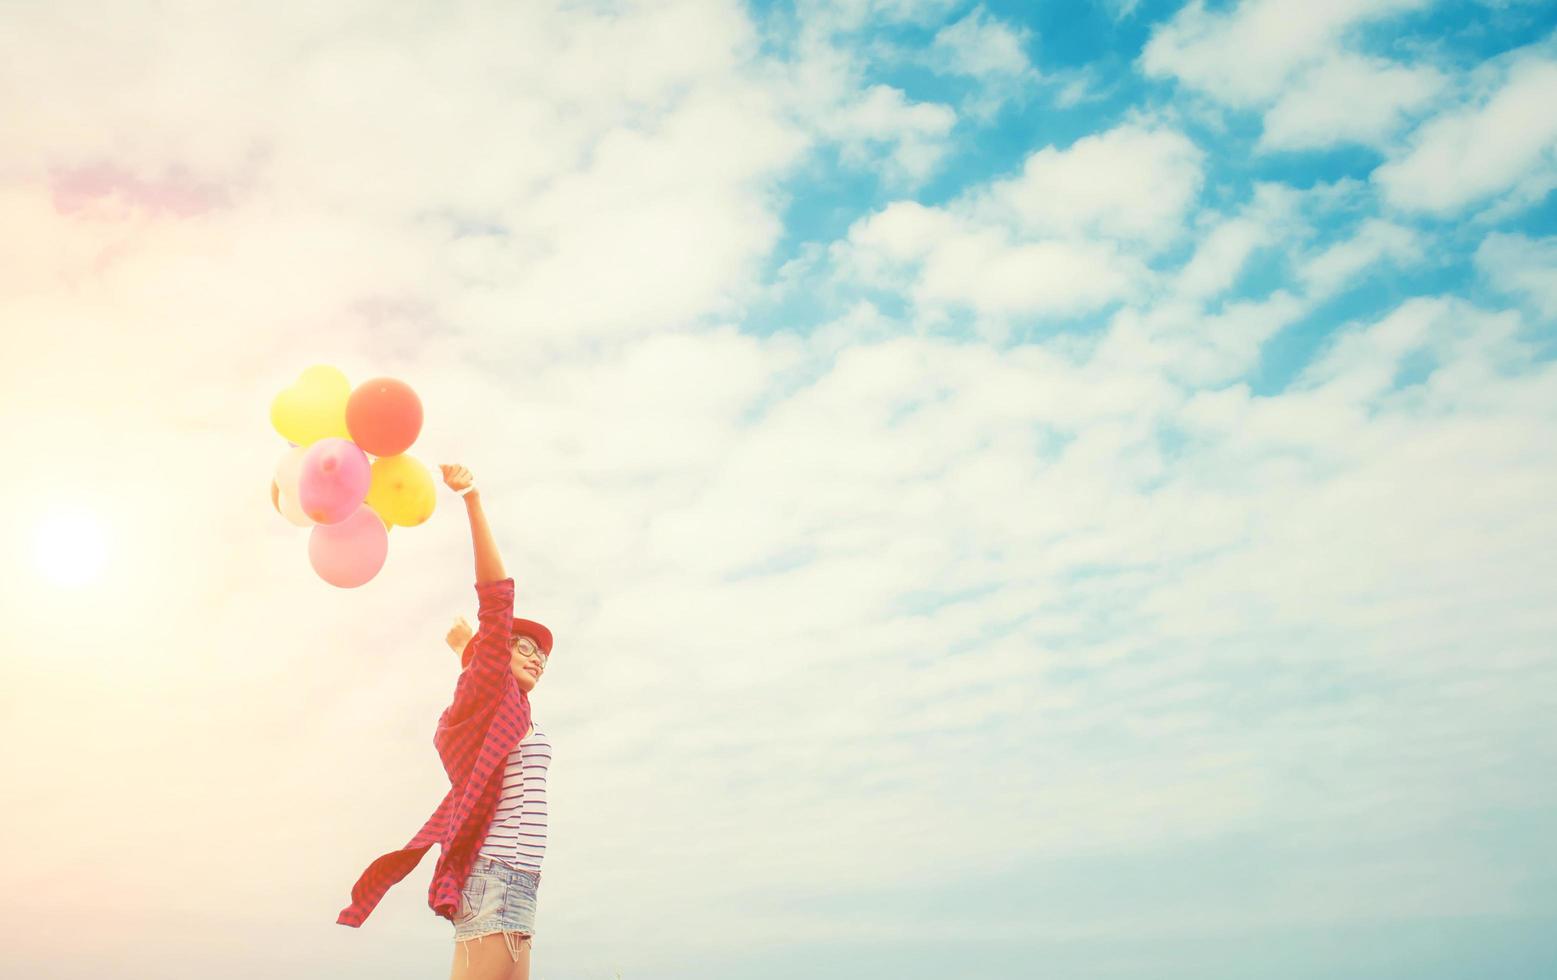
{"x":457,"y":477}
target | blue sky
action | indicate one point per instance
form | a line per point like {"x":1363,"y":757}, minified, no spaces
{"x":1019,"y":489}
{"x":1096,"y":48}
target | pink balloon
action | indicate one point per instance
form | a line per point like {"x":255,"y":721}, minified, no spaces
{"x":350,"y":552}
{"x":334,"y":480}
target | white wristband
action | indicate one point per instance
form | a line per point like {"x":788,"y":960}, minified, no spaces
{"x":466,"y":490}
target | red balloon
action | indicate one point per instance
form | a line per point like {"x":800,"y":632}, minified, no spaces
{"x":384,"y":416}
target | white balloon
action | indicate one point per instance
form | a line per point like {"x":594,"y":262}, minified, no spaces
{"x":289,"y":470}
{"x":293,"y":511}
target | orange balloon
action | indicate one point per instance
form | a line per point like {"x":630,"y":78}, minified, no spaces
{"x":384,"y":416}
{"x":275,"y":496}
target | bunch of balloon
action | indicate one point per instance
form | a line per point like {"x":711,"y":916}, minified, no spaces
{"x":345,"y":473}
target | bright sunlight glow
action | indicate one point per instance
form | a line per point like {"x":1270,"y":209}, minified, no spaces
{"x":71,"y":547}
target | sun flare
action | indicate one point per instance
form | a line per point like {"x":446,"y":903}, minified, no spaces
{"x":71,"y":547}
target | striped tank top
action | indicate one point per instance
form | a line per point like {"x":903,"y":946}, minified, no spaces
{"x":517,"y":834}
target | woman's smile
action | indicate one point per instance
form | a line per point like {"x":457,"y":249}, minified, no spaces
{"x":527,"y":660}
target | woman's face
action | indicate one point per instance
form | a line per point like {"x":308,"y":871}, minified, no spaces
{"x":528,"y":663}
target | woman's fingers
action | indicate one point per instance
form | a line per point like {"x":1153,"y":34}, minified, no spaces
{"x":456,"y":476}
{"x":459,"y":633}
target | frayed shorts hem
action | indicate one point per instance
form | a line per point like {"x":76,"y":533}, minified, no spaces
{"x":513,"y":938}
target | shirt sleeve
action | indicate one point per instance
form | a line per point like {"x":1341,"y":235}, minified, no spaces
{"x":485,"y":678}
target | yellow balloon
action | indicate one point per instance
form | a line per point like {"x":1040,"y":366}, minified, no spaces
{"x":401,"y":491}
{"x":313,"y":407}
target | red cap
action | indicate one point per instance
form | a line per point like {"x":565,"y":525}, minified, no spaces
{"x":521,"y":627}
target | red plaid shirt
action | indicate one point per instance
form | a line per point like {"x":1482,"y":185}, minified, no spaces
{"x":488,"y":717}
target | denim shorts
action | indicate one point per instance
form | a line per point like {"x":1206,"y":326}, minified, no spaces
{"x":496,"y":898}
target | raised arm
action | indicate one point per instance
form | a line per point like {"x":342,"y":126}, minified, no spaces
{"x":489,"y":564}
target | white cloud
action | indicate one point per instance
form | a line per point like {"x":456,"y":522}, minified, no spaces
{"x":939,"y":257}
{"x":1189,"y":336}
{"x":912,"y":134}
{"x":1521,"y":265}
{"x":862,"y":323}
{"x":998,"y":276}
{"x":1075,"y":87}
{"x":1220,"y":255}
{"x":1245,"y":55}
{"x":1187,"y":344}
{"x":990,"y":50}
{"x":351,"y":143}
{"x":835,"y":16}
{"x":1297,"y":70}
{"x":1505,"y":143}
{"x":877,"y":127}
{"x":1347,"y":98}
{"x":1187,"y":331}
{"x":1120,"y":9}
{"x":1226,"y":245}
{"x":1132,"y":182}
{"x":982,"y":46}
{"x":904,"y":231}
{"x":1468,"y":348}
{"x":1328,"y":271}
{"x":1067,"y":235}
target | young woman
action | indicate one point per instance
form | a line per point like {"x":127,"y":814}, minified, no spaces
{"x":491,"y":824}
